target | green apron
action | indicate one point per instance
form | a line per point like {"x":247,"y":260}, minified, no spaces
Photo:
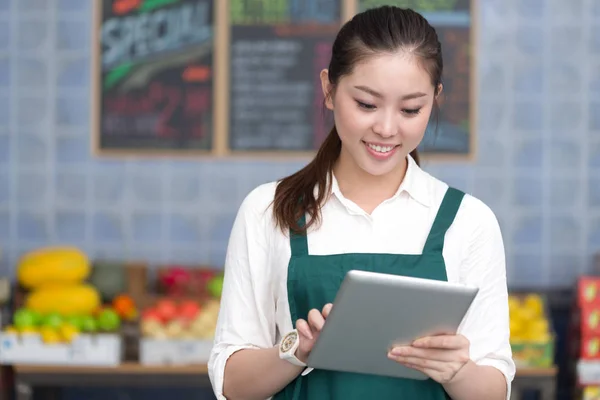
{"x":313,"y":281}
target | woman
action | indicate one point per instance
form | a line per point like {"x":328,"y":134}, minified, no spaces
{"x":364,"y":201}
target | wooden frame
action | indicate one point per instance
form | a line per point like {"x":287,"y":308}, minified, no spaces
{"x":221,"y":100}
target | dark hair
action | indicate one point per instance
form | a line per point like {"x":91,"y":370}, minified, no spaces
{"x":383,"y":29}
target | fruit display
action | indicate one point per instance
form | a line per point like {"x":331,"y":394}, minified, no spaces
{"x":54,"y":327}
{"x":199,"y":282}
{"x":186,"y":319}
{"x":531,"y":336}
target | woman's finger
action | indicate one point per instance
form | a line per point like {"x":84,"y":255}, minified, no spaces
{"x":422,"y":363}
{"x":316,"y":320}
{"x":304,"y":329}
{"x":327,"y":310}
{"x":430,"y":354}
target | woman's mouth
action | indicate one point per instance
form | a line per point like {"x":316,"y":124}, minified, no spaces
{"x":381,"y":151}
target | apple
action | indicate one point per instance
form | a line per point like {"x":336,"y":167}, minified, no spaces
{"x":215,"y":286}
{"x":76,"y":321}
{"x":108,"y":320}
{"x":166,"y":309}
{"x":88,"y":324}
{"x":25,"y":318}
{"x":52,"y":320}
{"x":188,"y":309}
{"x":150,"y":314}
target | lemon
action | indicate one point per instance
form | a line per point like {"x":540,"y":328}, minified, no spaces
{"x":68,"y":332}
{"x":534,"y":303}
{"x":50,"y":336}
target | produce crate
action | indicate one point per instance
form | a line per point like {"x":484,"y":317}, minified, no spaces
{"x":175,"y":352}
{"x":85,"y":350}
{"x":532,"y":338}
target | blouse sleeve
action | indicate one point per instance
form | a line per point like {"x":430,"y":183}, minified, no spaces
{"x":247,"y":314}
{"x":486,"y":325}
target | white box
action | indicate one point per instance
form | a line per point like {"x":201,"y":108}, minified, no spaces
{"x":174,"y":351}
{"x":85,"y":349}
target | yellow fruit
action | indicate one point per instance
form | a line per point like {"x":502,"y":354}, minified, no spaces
{"x":50,"y":336}
{"x":51,"y":265}
{"x":68,"y":332}
{"x":534,"y":303}
{"x":513,"y":302}
{"x":28,"y":330}
{"x":67,"y":300}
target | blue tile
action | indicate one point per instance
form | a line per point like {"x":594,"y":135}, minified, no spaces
{"x":72,"y":149}
{"x":530,"y":40}
{"x":193,"y":254}
{"x":24,"y":7}
{"x":565,"y":154}
{"x":185,"y":229}
{"x":74,"y":73}
{"x":32,"y":227}
{"x":72,"y":111}
{"x":32,"y":150}
{"x":595,"y":156}
{"x":526,"y":271}
{"x":531,"y":9}
{"x":32,"y":73}
{"x":565,"y":232}
{"x":528,"y":79}
{"x":5,"y":33}
{"x":5,"y":151}
{"x":69,"y":6}
{"x":595,"y":116}
{"x":595,"y":40}
{"x":4,"y":228}
{"x":5,"y":72}
{"x":220,"y":226}
{"x":528,"y":231}
{"x":4,"y":188}
{"x":33,"y":111}
{"x":566,"y":42}
{"x":492,"y":153}
{"x":109,"y":188}
{"x":5,"y":111}
{"x":73,"y":35}
{"x":564,"y":270}
{"x":108,"y":228}
{"x":5,"y":5}
{"x":32,"y":189}
{"x":565,"y":78}
{"x":528,"y":116}
{"x":565,"y":116}
{"x":32,"y":33}
{"x":594,"y":235}
{"x":218,"y":252}
{"x":147,"y":228}
{"x":564,"y":192}
{"x":184,"y":187}
{"x":146,"y":188}
{"x":71,"y":188}
{"x":529,"y":153}
{"x":528,"y":192}
{"x":70,"y":226}
{"x":594,"y":192}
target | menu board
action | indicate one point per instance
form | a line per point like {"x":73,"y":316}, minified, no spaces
{"x":452,"y":133}
{"x":277,"y":50}
{"x":153,"y":74}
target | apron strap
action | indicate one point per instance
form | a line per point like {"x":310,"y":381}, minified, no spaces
{"x":299,"y":243}
{"x":443,"y":220}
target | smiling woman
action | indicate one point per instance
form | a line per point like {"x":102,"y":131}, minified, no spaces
{"x":364,"y":203}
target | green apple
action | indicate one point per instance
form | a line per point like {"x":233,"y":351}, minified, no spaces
{"x":52,"y":320}
{"x":76,"y":321}
{"x":108,"y":320}
{"x":88,"y":324}
{"x":215,"y":286}
{"x":24,"y":318}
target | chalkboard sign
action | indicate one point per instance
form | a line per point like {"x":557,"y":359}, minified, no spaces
{"x":454,"y":132}
{"x":277,"y":50}
{"x":153,"y":75}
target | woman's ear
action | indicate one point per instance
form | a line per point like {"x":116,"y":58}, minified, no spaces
{"x":326,"y":87}
{"x":439,"y":91}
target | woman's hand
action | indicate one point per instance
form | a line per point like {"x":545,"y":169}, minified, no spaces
{"x":309,"y":330}
{"x":440,"y":357}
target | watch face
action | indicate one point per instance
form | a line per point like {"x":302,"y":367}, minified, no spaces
{"x":288,"y":341}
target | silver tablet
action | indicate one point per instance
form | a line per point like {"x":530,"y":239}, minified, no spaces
{"x":374,"y":311}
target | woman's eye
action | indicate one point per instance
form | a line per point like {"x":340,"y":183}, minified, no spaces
{"x":413,"y":111}
{"x":365,"y":105}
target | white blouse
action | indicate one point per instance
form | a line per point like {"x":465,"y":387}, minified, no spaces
{"x":254,"y":305}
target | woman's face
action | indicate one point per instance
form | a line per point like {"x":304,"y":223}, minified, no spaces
{"x":381,"y":110}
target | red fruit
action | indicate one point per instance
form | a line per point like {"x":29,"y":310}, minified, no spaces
{"x":151,"y":314}
{"x":189,"y":309}
{"x":166,"y":309}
